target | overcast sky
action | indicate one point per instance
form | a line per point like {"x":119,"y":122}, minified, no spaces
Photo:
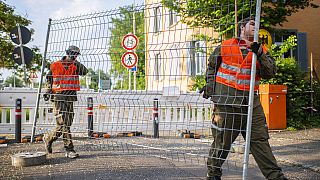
{"x":39,"y":11}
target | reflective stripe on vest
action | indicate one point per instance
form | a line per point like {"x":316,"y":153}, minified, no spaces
{"x":235,"y":70}
{"x":64,"y":79}
{"x":66,"y":86}
{"x":232,"y":78}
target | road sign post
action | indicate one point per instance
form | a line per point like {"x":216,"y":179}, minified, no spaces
{"x":22,"y":55}
{"x":130,"y":42}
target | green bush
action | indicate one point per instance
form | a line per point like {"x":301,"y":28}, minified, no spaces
{"x":199,"y":82}
{"x":298,"y":96}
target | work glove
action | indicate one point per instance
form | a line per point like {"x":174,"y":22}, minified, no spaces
{"x":256,"y":48}
{"x":207,"y":91}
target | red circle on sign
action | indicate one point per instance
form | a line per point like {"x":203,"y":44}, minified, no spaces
{"x":127,"y":36}
{"x":134,"y":62}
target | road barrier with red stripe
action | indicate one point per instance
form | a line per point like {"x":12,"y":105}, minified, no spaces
{"x":18,"y":120}
{"x":90,"y":116}
{"x":155,"y":118}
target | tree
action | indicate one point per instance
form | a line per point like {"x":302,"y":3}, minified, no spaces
{"x":220,"y":14}
{"x":95,"y":78}
{"x":13,"y":81}
{"x":8,"y":20}
{"x":121,"y":26}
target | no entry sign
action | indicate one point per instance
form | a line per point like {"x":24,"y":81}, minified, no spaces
{"x":129,"y":59}
{"x":130,"y":41}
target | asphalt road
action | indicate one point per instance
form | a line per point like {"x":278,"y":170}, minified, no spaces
{"x":298,"y":153}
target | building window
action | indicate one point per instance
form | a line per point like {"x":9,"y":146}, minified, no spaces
{"x":174,"y":62}
{"x":172,"y":17}
{"x":197,"y":58}
{"x":157,"y":19}
{"x":157,"y":67}
{"x":300,"y":53}
{"x":279,"y":38}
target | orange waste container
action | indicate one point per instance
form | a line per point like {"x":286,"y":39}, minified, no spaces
{"x":273,"y":101}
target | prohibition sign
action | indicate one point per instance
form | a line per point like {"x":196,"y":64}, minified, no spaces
{"x":130,"y":41}
{"x":129,"y":59}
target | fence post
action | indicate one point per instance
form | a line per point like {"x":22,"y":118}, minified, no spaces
{"x":155,"y":118}
{"x":18,"y":121}
{"x":90,"y":116}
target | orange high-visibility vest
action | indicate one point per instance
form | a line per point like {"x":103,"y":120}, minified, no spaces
{"x":235,"y":71}
{"x":64,"y":79}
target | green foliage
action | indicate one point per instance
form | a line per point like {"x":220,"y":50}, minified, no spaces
{"x":121,"y":26}
{"x":278,"y":51}
{"x":94,"y":78}
{"x":220,"y":14}
{"x":298,"y":96}
{"x":289,"y":74}
{"x":8,"y":20}
{"x":11,"y":80}
{"x":199,"y":82}
{"x":316,"y":96}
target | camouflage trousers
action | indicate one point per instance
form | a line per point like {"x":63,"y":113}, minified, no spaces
{"x":64,"y":113}
{"x":230,"y":122}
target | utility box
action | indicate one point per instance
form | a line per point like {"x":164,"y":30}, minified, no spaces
{"x":273,"y":101}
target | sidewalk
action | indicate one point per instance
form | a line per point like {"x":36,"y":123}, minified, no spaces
{"x":298,"y":154}
{"x":300,"y":148}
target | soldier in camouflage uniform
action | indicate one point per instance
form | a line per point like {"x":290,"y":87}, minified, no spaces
{"x":231,"y":100}
{"x":63,"y":84}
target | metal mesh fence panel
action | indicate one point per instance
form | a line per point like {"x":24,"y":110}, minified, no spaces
{"x":152,"y":107}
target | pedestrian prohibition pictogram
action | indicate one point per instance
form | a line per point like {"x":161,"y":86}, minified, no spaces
{"x":129,"y":59}
{"x":130,"y":41}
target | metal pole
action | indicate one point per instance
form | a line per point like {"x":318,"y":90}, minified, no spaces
{"x":22,"y":55}
{"x":155,"y":118}
{"x":14,"y":78}
{"x":18,"y":121}
{"x":40,"y":83}
{"x":90,"y":116}
{"x":251,"y":94}
{"x":129,"y":71}
{"x":146,"y":36}
{"x":235,"y":18}
{"x":311,"y":86}
{"x":99,"y":77}
{"x":134,"y":32}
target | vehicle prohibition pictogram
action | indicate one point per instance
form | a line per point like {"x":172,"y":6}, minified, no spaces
{"x":130,"y":41}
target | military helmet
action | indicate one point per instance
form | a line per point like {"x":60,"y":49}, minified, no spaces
{"x":73,"y":50}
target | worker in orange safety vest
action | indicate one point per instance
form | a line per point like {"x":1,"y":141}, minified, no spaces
{"x":228,"y":84}
{"x":62,"y":86}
